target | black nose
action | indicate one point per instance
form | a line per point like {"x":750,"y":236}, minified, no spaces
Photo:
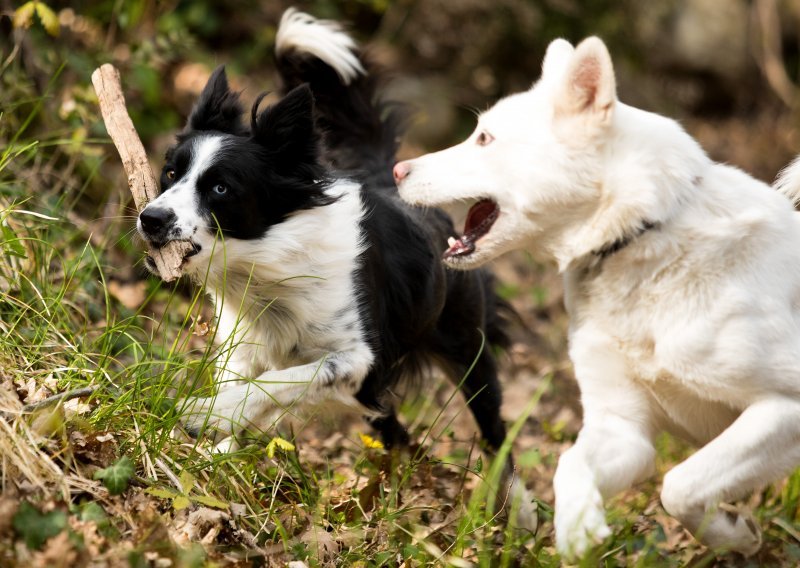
{"x":155,"y":220}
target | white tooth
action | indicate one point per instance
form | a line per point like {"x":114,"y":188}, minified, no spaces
{"x":451,"y":241}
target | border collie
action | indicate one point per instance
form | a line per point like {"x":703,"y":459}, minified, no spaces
{"x":682,"y":280}
{"x":326,"y":285}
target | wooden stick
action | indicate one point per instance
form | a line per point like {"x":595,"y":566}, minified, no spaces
{"x":60,"y":397}
{"x":141,"y":181}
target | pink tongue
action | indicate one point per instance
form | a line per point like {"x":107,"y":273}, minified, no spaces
{"x":464,"y":245}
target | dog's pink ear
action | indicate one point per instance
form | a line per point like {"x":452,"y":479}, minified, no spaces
{"x":588,"y":86}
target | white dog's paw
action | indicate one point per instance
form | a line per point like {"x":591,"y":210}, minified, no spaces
{"x":228,"y":445}
{"x":748,"y":538}
{"x":732,"y":528}
{"x":220,"y":416}
{"x":522,"y":507}
{"x":580,"y":524}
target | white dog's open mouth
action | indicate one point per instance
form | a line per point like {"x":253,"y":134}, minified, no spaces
{"x":480,"y":219}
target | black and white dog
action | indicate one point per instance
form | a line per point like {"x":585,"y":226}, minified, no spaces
{"x":326,"y":286}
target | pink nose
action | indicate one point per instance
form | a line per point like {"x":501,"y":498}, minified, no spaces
{"x":401,"y":171}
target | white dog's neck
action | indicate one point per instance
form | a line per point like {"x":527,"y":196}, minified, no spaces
{"x":648,"y":167}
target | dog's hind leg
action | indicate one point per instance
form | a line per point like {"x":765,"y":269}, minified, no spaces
{"x":393,"y":434}
{"x":762,"y":445}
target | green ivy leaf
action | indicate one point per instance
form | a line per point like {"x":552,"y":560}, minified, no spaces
{"x":92,"y":512}
{"x":116,"y":476}
{"x":36,"y":527}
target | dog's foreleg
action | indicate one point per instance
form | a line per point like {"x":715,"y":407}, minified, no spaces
{"x":245,"y":405}
{"x":610,"y":455}
{"x":233,"y":372}
{"x":614,"y":449}
{"x":762,"y":445}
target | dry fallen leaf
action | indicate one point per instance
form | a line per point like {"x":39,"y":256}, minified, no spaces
{"x":130,"y":294}
{"x":59,"y":552}
{"x":34,"y":391}
{"x":200,"y":328}
{"x":322,"y":545}
{"x":201,"y":525}
{"x":76,"y":407}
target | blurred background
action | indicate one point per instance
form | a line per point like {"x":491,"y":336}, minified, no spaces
{"x":728,"y":70}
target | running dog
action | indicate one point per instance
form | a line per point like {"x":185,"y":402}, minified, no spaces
{"x":326,"y":286}
{"x":682,"y":281}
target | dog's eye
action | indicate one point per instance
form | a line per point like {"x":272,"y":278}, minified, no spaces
{"x":219,"y":189}
{"x":170,"y":173}
{"x":484,"y":139}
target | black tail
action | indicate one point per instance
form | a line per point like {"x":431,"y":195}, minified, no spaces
{"x":361,"y":132}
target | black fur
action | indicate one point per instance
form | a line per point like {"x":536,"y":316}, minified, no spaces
{"x":269,"y":171}
{"x":416,"y":311}
{"x":361,"y":132}
{"x":413,"y":311}
{"x":218,"y":108}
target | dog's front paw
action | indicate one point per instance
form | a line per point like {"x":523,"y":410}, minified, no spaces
{"x":220,"y":416}
{"x":731,"y":528}
{"x":523,"y":507}
{"x":580,"y":524}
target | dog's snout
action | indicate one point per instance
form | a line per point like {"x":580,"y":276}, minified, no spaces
{"x":156,"y":220}
{"x":401,"y":171}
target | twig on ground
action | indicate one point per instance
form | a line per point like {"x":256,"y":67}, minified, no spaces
{"x":61,"y":397}
{"x":141,"y":181}
{"x":169,"y":473}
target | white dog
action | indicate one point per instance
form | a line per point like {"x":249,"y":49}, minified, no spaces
{"x":682,"y":280}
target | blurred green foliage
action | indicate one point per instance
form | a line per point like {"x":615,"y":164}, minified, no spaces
{"x":459,"y":55}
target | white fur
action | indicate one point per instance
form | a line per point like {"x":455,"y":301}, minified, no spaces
{"x":788,"y":182}
{"x":323,"y":39}
{"x":286,"y":309}
{"x":692,"y":328}
{"x":287,"y":315}
{"x":182,"y":197}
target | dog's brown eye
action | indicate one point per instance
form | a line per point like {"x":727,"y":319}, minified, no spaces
{"x":484,"y":139}
{"x":170,"y":173}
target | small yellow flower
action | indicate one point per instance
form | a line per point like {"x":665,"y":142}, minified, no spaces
{"x":370,"y":442}
{"x":278,"y":443}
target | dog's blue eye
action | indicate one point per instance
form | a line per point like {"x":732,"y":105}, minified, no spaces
{"x":220,"y":189}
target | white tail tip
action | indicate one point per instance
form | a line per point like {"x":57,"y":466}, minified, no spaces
{"x":324,"y":39}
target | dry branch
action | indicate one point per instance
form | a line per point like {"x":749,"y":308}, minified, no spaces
{"x":141,"y":181}
{"x":60,"y":397}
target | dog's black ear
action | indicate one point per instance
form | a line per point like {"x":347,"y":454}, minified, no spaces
{"x":287,"y":127}
{"x":218,"y":108}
